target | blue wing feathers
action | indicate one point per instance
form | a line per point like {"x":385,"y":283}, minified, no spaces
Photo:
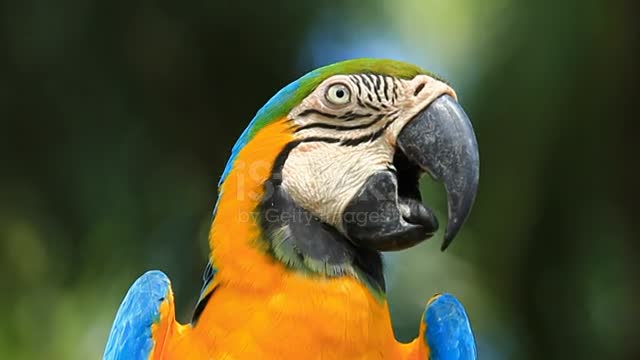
{"x":131,"y":337}
{"x":448,"y":331}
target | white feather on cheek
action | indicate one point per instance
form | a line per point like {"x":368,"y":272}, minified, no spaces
{"x":323,"y":177}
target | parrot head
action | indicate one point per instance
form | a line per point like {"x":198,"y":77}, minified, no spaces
{"x":344,"y":183}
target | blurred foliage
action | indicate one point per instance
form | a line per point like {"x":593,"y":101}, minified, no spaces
{"x":117,"y":118}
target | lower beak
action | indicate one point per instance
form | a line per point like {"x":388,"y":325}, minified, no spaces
{"x":440,"y":140}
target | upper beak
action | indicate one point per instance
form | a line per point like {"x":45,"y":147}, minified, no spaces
{"x":440,"y":140}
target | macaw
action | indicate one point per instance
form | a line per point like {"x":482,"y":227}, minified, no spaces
{"x":323,"y":180}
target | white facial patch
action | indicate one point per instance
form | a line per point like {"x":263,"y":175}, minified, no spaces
{"x":343,"y":143}
{"x":323,"y":177}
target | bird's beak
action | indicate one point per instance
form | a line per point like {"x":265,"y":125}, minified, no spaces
{"x":440,"y":141}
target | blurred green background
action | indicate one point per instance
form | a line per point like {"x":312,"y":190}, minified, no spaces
{"x":118,"y":116}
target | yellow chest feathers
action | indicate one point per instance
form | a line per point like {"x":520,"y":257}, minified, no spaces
{"x":298,"y":318}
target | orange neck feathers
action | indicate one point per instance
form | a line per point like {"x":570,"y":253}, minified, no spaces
{"x":238,"y":252}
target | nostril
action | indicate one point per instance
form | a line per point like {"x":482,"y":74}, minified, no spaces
{"x":418,"y":89}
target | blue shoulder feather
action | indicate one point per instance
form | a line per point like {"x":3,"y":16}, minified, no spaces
{"x":448,"y":331}
{"x":131,"y":337}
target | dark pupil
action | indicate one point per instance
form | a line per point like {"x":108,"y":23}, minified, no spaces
{"x":340,"y":93}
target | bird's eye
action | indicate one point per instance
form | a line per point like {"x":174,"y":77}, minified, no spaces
{"x":338,"y":94}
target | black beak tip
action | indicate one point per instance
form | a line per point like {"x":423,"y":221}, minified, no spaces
{"x":449,"y":234}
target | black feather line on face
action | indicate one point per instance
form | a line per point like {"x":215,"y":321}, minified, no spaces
{"x":355,"y":79}
{"x":341,"y":127}
{"x":308,"y":112}
{"x":353,"y":116}
{"x":367,"y":82}
{"x":368,"y":137}
{"x":372,"y":107}
{"x":378,"y":88}
{"x":386,"y":88}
